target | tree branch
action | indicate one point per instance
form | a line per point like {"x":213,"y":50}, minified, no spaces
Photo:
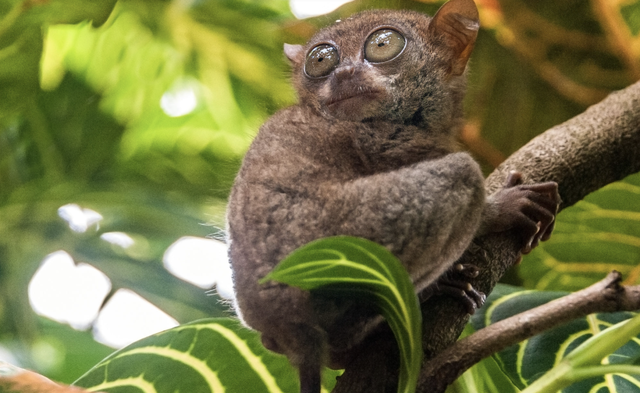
{"x":606,"y":295}
{"x":595,"y":148}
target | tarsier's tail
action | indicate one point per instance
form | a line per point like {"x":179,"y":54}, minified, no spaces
{"x":311,"y":362}
{"x":309,"y":379}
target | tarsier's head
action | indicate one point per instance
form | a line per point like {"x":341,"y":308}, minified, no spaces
{"x":399,"y":66}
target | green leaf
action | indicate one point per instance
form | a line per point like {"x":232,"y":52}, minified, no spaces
{"x":21,"y":26}
{"x":591,"y":238}
{"x":630,"y":12}
{"x":211,"y":355}
{"x":585,"y":361}
{"x":361,"y":267}
{"x":531,"y":359}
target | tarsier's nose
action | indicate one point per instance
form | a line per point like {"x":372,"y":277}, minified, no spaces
{"x":344,"y":71}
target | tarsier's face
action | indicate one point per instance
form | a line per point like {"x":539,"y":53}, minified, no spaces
{"x":360,"y":67}
{"x":350,"y":86}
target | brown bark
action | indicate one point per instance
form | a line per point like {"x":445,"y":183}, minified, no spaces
{"x":16,"y":380}
{"x":595,"y":148}
{"x":606,"y":295}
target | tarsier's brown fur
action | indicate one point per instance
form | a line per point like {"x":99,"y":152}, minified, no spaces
{"x":369,"y":151}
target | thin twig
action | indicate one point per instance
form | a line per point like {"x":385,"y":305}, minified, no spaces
{"x":606,"y":295}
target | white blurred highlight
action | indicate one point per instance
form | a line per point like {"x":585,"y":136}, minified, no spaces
{"x":201,"y":262}
{"x":127,"y":317}
{"x":308,"y":8}
{"x":180,"y":100}
{"x":79,"y":219}
{"x":118,"y":238}
{"x":66,"y":292}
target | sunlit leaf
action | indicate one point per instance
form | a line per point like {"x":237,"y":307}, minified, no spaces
{"x":211,"y":355}
{"x":21,"y":44}
{"x":355,"y":266}
{"x":532,"y":358}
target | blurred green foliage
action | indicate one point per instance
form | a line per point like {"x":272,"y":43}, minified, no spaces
{"x":80,"y":122}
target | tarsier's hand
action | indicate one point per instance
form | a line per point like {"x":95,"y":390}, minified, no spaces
{"x":527,"y":209}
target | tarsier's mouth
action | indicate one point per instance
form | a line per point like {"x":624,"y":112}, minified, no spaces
{"x":359,"y":92}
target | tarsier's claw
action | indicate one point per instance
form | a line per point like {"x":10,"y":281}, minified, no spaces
{"x":478,"y":297}
{"x":454,"y":284}
{"x":469,"y":301}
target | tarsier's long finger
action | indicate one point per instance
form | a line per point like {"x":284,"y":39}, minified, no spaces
{"x":547,"y":233}
{"x":543,"y":201}
{"x":470,"y":298}
{"x":546,"y":196}
{"x":546,"y":227}
{"x":540,"y":211}
{"x":535,"y":240}
{"x":529,"y":232}
{"x":543,"y":231}
{"x":549,"y":189}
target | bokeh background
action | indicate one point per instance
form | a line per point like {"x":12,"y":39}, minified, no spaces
{"x":122,"y":124}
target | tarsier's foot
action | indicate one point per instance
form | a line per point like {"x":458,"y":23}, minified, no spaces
{"x":455,"y":284}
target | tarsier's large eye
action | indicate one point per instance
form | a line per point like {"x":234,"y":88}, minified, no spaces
{"x":321,"y":61}
{"x":383,"y":45}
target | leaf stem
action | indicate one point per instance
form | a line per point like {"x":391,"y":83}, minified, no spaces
{"x":592,"y":351}
{"x":589,"y":353}
{"x":596,"y":371}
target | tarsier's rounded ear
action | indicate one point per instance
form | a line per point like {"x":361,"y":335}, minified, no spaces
{"x":294,"y":53}
{"x":458,"y":22}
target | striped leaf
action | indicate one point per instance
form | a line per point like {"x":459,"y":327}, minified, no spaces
{"x":531,"y":359}
{"x":206,"y":356}
{"x":359,"y":267}
{"x":591,"y":238}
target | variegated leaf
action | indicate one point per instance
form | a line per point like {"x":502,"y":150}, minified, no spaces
{"x":206,"y":356}
{"x":526,"y":362}
{"x":591,"y":238}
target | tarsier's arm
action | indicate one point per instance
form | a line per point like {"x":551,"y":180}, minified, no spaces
{"x":425,"y":213}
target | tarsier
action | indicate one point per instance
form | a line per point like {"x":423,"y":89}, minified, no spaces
{"x":369,"y":151}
